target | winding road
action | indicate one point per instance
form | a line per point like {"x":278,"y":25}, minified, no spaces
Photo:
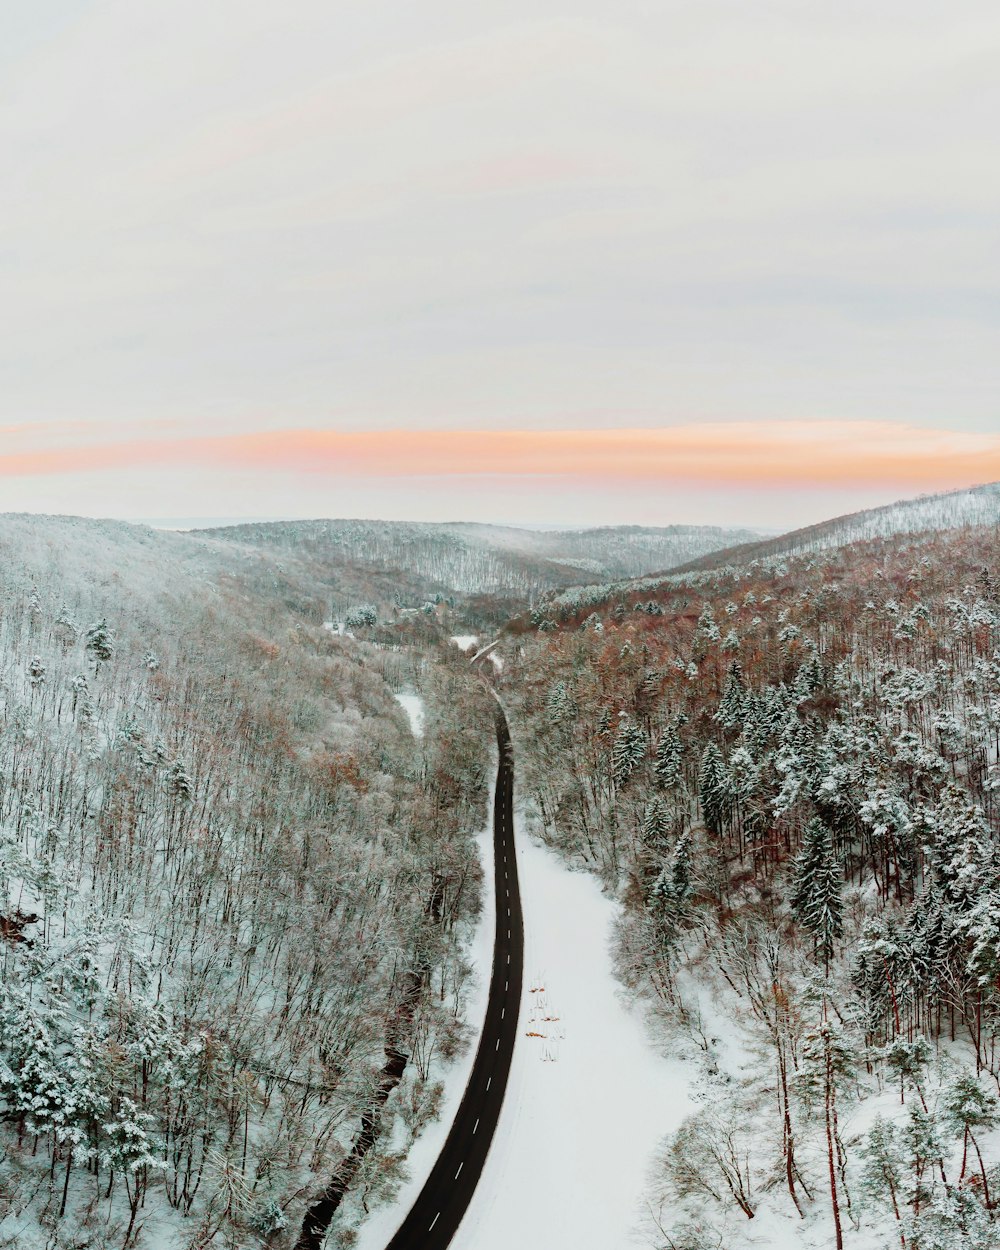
{"x":436,"y":1214}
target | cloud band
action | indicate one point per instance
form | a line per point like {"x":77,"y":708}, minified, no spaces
{"x":757,"y":453}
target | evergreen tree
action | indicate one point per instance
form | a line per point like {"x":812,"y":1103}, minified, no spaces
{"x":361,"y":615}
{"x":66,"y":629}
{"x":706,"y":628}
{"x":809,"y":678}
{"x":907,"y":1060}
{"x":680,"y":871}
{"x":668,"y":899}
{"x":559,"y":705}
{"x":100,"y":643}
{"x":179,"y":783}
{"x":732,"y":705}
{"x":982,"y":926}
{"x":744,"y":775}
{"x":669,"y":759}
{"x":967,"y":1108}
{"x":713,"y":790}
{"x":882,"y":1179}
{"x":656,"y":824}
{"x":816,"y":892}
{"x":628,"y":751}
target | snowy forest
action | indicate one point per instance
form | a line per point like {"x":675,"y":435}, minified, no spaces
{"x":788,"y":771}
{"x":234,"y":882}
{"x":241,"y":878}
{"x":501,"y":561}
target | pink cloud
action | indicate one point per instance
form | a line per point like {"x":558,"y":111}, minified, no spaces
{"x":757,"y":453}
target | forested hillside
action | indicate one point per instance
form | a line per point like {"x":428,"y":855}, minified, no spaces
{"x":979,"y":505}
{"x":238,"y":890}
{"x":421,"y":558}
{"x":788,"y":771}
{"x":235,"y":889}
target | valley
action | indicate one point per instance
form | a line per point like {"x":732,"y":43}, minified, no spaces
{"x":243,"y":779}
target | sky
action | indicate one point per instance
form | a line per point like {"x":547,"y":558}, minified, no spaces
{"x":542,"y":262}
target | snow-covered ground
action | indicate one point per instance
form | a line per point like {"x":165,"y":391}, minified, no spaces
{"x":588,"y":1101}
{"x":465,"y":642}
{"x":413,"y":706}
{"x":589,"y":1098}
{"x":378,"y":1228}
{"x":339,"y":628}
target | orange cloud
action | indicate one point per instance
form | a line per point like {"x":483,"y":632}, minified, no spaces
{"x":757,"y":453}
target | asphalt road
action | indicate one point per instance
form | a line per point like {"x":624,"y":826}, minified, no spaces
{"x":438,"y":1210}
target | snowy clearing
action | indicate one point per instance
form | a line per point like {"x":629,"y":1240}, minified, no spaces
{"x":464,"y":642}
{"x":413,"y":706}
{"x":589,"y":1099}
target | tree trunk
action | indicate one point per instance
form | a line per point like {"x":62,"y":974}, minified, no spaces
{"x":831,"y":1156}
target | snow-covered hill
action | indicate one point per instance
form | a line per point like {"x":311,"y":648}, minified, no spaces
{"x":978,"y":505}
{"x":228,"y":871}
{"x":485,"y":559}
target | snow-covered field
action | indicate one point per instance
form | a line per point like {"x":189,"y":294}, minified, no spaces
{"x":413,"y":706}
{"x":589,"y":1099}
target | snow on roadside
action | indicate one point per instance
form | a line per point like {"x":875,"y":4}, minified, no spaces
{"x":413,"y":706}
{"x":379,"y":1227}
{"x":589,"y":1099}
{"x":465,"y":642}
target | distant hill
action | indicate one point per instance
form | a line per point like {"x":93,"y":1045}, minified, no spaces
{"x":977,"y":505}
{"x":972,"y":509}
{"x":486,"y":559}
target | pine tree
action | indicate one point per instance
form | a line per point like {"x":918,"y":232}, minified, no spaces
{"x":668,"y":899}
{"x":100,"y":643}
{"x":669,"y":759}
{"x":656,"y":824}
{"x":816,"y":898}
{"x":680,"y":871}
{"x":130,"y":1151}
{"x":559,"y":705}
{"x":179,"y":783}
{"x":707,"y":628}
{"x":982,"y":926}
{"x":713,"y":790}
{"x":809,"y":678}
{"x":628,"y":751}
{"x":361,"y":615}
{"x":924,"y":1151}
{"x":744,"y":775}
{"x":66,"y":629}
{"x":907,"y":1061}
{"x":732,"y":705}
{"x":967,"y":1106}
{"x":882,"y":1178}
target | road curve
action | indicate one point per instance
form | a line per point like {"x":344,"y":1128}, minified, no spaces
{"x":436,"y":1214}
